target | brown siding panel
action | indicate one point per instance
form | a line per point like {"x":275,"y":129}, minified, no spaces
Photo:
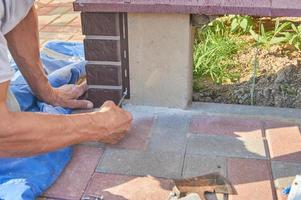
{"x":102,"y":50}
{"x":103,"y":75}
{"x":105,"y":24}
{"x":99,"y":96}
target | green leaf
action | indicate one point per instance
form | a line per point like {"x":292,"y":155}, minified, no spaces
{"x":254,"y":35}
{"x":244,"y":24}
{"x":278,"y":40}
{"x":294,"y":28}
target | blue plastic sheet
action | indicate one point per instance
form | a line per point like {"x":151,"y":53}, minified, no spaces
{"x":26,"y":178}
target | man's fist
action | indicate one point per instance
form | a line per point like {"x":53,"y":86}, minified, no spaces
{"x":116,"y":120}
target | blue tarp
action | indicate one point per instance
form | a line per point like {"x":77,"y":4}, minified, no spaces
{"x":26,"y":178}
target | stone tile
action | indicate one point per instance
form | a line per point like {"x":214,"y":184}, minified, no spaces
{"x":103,"y":75}
{"x":138,"y":136}
{"x":61,"y":29}
{"x":75,"y":22}
{"x":169,"y":133}
{"x":216,"y":197}
{"x":119,"y":187}
{"x":285,"y":143}
{"x":199,"y":165}
{"x":59,"y":10}
{"x":77,"y":37}
{"x":137,"y":163}
{"x":55,"y":35}
{"x":102,"y":50}
{"x":281,"y":196}
{"x":46,"y":19}
{"x":44,"y":10}
{"x":76,"y":176}
{"x":65,"y":19}
{"x":277,"y":124}
{"x":250,"y":178}
{"x":99,"y":96}
{"x":215,"y":125}
{"x":284,"y":173}
{"x":225,"y":146}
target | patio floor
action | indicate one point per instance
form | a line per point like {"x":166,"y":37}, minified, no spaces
{"x":58,"y":21}
{"x":258,"y":156}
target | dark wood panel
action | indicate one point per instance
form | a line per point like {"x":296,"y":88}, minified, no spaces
{"x":99,"y":96}
{"x":103,"y":75}
{"x":105,"y":24}
{"x":102,"y":50}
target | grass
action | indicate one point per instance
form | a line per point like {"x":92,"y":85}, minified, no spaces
{"x":218,"y":42}
{"x":213,"y":53}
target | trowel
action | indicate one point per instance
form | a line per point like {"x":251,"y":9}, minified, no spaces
{"x":210,"y":183}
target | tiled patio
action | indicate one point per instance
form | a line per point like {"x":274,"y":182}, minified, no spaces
{"x":259,"y":157}
{"x":58,"y":21}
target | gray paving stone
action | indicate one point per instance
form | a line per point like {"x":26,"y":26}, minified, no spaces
{"x":196,"y":165}
{"x":284,"y":173}
{"x":225,"y":146}
{"x":139,"y":163}
{"x":169,"y":133}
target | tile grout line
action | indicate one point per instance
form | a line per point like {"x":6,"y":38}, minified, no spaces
{"x":186,"y":129}
{"x":274,"y":191}
{"x":90,"y":179}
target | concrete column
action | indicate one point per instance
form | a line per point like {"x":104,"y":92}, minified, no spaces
{"x":160,"y":56}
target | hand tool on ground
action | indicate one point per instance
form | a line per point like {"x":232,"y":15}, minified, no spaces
{"x":123,"y":97}
{"x":210,"y":183}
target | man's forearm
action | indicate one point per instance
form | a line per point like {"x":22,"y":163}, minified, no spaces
{"x":23,"y":42}
{"x":25,"y":134}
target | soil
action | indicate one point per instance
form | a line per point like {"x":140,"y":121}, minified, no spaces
{"x":277,"y":82}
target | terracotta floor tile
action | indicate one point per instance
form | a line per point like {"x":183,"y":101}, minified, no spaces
{"x":280,"y":196}
{"x":285,"y":143}
{"x":62,"y":29}
{"x":214,"y":125}
{"x":138,"y":136}
{"x":251,"y":179}
{"x":119,"y":187}
{"x":44,"y":10}
{"x":76,"y":176}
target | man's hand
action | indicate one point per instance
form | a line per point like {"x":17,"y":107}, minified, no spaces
{"x":67,"y":95}
{"x":117,"y":122}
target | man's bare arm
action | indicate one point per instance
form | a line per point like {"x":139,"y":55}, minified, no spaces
{"x":23,"y":43}
{"x":25,"y":134}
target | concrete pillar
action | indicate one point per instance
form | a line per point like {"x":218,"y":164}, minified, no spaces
{"x":160,"y":56}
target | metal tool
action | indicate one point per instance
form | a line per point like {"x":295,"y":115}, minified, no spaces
{"x":93,"y":197}
{"x":210,"y":183}
{"x":125,"y":93}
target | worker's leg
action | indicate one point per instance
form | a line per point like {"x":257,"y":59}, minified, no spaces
{"x":12,"y":102}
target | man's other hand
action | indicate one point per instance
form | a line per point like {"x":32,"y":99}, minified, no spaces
{"x":67,"y":96}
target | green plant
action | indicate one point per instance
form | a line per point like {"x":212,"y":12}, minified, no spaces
{"x":213,"y":56}
{"x":241,"y":24}
{"x":295,"y":36}
{"x":269,"y":38}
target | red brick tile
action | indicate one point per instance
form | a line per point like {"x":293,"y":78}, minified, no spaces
{"x":44,"y":10}
{"x":119,"y":187}
{"x":280,"y":196}
{"x":76,"y":176}
{"x":61,"y":29}
{"x":285,"y":143}
{"x":76,"y":22}
{"x":226,"y":126}
{"x":138,"y":136}
{"x":276,"y":124}
{"x":251,"y":179}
